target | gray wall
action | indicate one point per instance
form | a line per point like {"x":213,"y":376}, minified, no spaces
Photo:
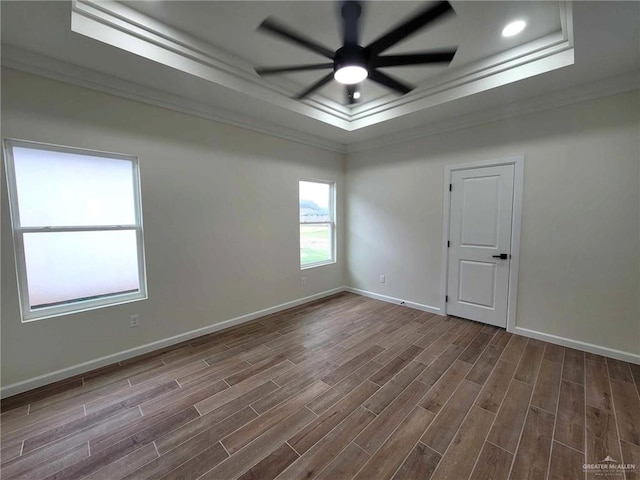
{"x":220,"y":217}
{"x":580,"y":249}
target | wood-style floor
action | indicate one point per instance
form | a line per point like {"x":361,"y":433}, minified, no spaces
{"x":343,"y":388}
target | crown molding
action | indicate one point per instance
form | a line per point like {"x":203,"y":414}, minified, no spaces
{"x":569,"y":96}
{"x":120,"y":26}
{"x":48,"y":67}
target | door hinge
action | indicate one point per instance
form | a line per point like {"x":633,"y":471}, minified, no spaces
{"x":446,"y":298}
{"x":451,"y":187}
{"x":448,"y":244}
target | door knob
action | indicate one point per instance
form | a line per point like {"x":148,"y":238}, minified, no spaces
{"x":502,"y":256}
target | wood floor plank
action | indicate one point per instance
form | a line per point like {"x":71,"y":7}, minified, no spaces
{"x":146,"y":429}
{"x":243,"y":436}
{"x":573,"y":369}
{"x":387,"y":372}
{"x":527,"y":370}
{"x":434,"y":371}
{"x":514,"y":349}
{"x":602,"y":438}
{"x":493,"y":463}
{"x":36,"y":394}
{"x":444,"y":428}
{"x":375,"y":434}
{"x":311,"y":463}
{"x":627,"y":409}
{"x":635,"y":372}
{"x":510,"y":420}
{"x":10,"y":451}
{"x":175,"y":452}
{"x":554,"y":353}
{"x":56,"y":464}
{"x":14,"y":414}
{"x":20,"y":429}
{"x":395,"y":449}
{"x":419,"y":465}
{"x":460,"y":458}
{"x":216,"y":372}
{"x":383,"y":397}
{"x":440,"y":393}
{"x":619,"y":370}
{"x":485,"y":364}
{"x":532,"y":458}
{"x":476,"y":347}
{"x":131,"y":397}
{"x":428,"y":397}
{"x":244,"y":459}
{"x":351,"y":366}
{"x":570,"y":421}
{"x":272,"y":465}
{"x":433,"y":351}
{"x":199,"y":464}
{"x":345,"y":465}
{"x":598,"y":392}
{"x":501,"y":338}
{"x":126,"y":465}
{"x":340,"y":390}
{"x":466,"y":337}
{"x":184,"y":397}
{"x":496,"y":386}
{"x":547,"y":388}
{"x":565,"y":463}
{"x":236,"y":391}
{"x":322,"y":425}
{"x":631,"y":456}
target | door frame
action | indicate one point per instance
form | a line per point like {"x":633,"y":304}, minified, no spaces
{"x":518,"y":183}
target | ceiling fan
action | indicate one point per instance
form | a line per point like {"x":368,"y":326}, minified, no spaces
{"x":353,"y":63}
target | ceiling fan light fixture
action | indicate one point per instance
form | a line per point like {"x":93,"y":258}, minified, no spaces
{"x":350,"y":74}
{"x":514,"y":28}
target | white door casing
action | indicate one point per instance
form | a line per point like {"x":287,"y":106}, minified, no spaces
{"x":480,"y":227}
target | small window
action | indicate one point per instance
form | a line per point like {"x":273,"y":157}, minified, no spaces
{"x":317,"y":223}
{"x":77,"y":228}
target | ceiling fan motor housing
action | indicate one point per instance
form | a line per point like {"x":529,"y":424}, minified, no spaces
{"x":349,"y":56}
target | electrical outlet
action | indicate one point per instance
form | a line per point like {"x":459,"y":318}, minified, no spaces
{"x":135,"y":320}
{"x":382,"y":279}
{"x":303,"y":281}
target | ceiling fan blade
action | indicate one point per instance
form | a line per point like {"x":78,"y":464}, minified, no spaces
{"x":442,"y":56}
{"x":279,"y":30}
{"x":389,"y":82}
{"x":292,"y":68}
{"x":320,"y":83}
{"x":351,"y":11}
{"x":351,"y":90}
{"x":409,"y":27}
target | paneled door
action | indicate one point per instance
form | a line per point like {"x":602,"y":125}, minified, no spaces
{"x":480,"y":243}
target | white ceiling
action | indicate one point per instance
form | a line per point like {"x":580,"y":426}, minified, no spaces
{"x":604,"y":37}
{"x":231,"y":26}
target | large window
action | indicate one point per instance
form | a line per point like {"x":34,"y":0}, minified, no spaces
{"x":77,"y":228}
{"x":317,"y":223}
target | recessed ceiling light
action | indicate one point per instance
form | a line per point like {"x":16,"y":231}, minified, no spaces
{"x":514,"y":28}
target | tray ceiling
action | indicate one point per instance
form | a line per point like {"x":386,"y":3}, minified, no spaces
{"x":217,"y":41}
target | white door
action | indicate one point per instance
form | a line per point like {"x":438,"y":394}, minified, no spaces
{"x":479,"y":234}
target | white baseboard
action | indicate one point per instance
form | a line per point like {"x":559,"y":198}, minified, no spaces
{"x":398,"y":301}
{"x":41,"y":380}
{"x":80,"y":368}
{"x":578,"y":345}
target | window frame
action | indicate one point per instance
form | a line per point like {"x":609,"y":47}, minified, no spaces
{"x":331,"y":223}
{"x":73,"y":306}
